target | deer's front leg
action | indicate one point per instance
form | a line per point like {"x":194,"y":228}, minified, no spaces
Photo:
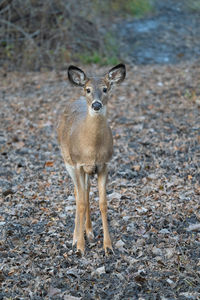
{"x":80,"y":210}
{"x":74,"y":176}
{"x":102,"y":179}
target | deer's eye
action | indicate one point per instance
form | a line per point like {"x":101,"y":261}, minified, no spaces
{"x":88,"y":91}
{"x":105,"y":90}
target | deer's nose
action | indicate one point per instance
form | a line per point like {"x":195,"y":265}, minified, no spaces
{"x":96,"y":105}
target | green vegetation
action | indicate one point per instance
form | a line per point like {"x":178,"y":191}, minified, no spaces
{"x":107,"y":55}
{"x":97,"y":58}
{"x":193,"y":5}
{"x":135,"y":8}
{"x":138,"y":8}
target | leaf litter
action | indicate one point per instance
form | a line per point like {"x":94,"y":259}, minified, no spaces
{"x":153,"y":191}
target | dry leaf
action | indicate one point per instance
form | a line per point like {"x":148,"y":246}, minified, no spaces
{"x":49,"y":164}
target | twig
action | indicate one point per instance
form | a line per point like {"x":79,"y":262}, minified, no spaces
{"x":4,"y":5}
{"x":19,"y":29}
{"x":2,"y":11}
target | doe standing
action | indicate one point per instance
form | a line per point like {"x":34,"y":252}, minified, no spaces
{"x":87,"y":145}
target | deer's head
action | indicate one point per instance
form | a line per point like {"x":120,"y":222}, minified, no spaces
{"x":97,"y":89}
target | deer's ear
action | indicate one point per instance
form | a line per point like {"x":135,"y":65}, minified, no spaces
{"x":77,"y":76}
{"x":117,"y":74}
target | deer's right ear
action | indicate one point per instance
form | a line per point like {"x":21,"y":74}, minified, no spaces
{"x":77,"y":76}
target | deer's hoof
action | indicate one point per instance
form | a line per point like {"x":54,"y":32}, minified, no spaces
{"x":79,"y":253}
{"x":109,"y":251}
{"x":90,"y":236}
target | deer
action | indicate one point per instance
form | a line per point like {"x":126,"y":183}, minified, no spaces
{"x":86,"y":144}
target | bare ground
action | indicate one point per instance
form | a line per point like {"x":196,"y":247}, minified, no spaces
{"x":153,"y":191}
{"x":170,"y":35}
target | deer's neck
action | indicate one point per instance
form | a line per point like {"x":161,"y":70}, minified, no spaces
{"x":95,"y":125}
{"x":92,"y":141}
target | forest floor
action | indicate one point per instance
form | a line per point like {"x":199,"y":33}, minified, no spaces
{"x":153,"y":190}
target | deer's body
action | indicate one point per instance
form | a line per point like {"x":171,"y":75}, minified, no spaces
{"x":87,"y":145}
{"x":75,"y":131}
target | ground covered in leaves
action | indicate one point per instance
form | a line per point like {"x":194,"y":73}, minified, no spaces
{"x":153,"y":191}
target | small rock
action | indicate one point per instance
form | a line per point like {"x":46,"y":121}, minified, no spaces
{"x":131,"y":228}
{"x":164,"y":231}
{"x":114,"y":223}
{"x":171,"y":282}
{"x":71,"y":198}
{"x":198,"y":101}
{"x":141,"y":210}
{"x":53,"y":291}
{"x":152,"y":176}
{"x":140,"y":242}
{"x":132,"y":260}
{"x":95,"y":256}
{"x":114,"y":196}
{"x":120,"y":244}
{"x":169,"y":252}
{"x":138,"y":127}
{"x":156,"y":251}
{"x":189,"y":295}
{"x":70,"y":208}
{"x":99,"y":271}
{"x":194,"y":227}
{"x":126,"y":218}
{"x":73,"y":272}
{"x":120,"y":276}
{"x":69,"y":297}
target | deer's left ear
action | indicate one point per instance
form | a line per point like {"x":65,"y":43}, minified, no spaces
{"x":117,"y":74}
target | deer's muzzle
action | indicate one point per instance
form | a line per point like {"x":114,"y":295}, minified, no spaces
{"x":96,"y":105}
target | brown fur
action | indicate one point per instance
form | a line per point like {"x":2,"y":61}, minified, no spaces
{"x":84,"y":140}
{"x":87,"y":145}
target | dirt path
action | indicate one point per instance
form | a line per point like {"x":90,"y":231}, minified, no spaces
{"x":153,"y":191}
{"x":170,"y":35}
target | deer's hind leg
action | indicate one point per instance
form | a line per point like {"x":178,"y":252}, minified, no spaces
{"x":102,"y":180}
{"x":88,"y":223}
{"x":76,"y":227}
{"x":81,"y":205}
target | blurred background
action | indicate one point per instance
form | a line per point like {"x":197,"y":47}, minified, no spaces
{"x":40,"y":35}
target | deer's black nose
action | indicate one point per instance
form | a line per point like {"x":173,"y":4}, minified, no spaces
{"x":96,"y":105}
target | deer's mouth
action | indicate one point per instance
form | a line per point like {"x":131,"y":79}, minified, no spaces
{"x":96,"y":110}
